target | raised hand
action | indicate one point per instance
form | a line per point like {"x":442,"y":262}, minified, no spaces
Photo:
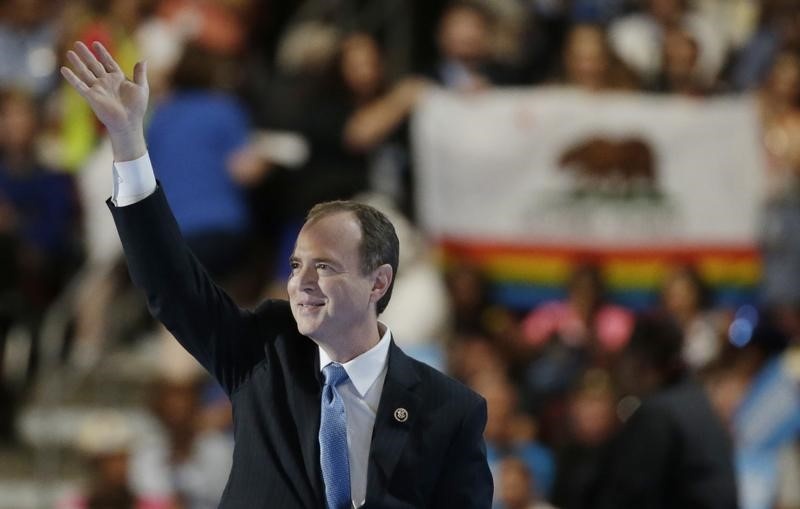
{"x":119,"y":103}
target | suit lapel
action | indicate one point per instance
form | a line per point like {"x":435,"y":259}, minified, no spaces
{"x":392,"y":425}
{"x":303,"y":390}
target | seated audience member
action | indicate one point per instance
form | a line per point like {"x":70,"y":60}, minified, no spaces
{"x":516,"y":487}
{"x":510,"y":432}
{"x":182,"y":461}
{"x":589,"y":423}
{"x":105,"y":441}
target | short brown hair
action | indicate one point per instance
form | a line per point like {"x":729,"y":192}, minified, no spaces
{"x":379,"y":243}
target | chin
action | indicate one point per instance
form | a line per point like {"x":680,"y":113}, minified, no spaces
{"x":305,"y":328}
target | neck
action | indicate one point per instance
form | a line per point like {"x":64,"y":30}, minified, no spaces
{"x":352,"y":345}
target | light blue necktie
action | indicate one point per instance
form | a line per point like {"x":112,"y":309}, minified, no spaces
{"x":333,"y":440}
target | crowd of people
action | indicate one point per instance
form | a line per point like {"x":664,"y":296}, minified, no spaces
{"x":261,"y":109}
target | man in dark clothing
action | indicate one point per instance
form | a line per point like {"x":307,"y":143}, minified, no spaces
{"x":673,"y":451}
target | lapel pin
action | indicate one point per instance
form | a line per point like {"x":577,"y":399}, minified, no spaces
{"x":401,"y":415}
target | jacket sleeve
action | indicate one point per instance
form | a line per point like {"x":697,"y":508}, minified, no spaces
{"x":180,"y":293}
{"x":466,"y":481}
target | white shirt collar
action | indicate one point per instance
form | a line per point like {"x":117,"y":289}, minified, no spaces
{"x":364,"y":369}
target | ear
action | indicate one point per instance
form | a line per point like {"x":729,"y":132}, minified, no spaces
{"x":381,"y":279}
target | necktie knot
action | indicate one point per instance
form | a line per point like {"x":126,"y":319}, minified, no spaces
{"x":334,"y":374}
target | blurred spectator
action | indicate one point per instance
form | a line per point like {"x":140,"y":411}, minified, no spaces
{"x":760,"y":392}
{"x":637,"y":39}
{"x":38,"y":216}
{"x":218,"y":27}
{"x":680,"y":73}
{"x":778,"y":27}
{"x":464,"y":37}
{"x":511,"y":433}
{"x":779,"y":103}
{"x":779,"y":241}
{"x":672,"y":450}
{"x":515,"y":486}
{"x":181,"y":462}
{"x":354,"y":125}
{"x":105,"y":440}
{"x":590,"y":63}
{"x":113,"y":23}
{"x":28,"y":39}
{"x":735,"y":19}
{"x":469,"y":294}
{"x":474,"y":355}
{"x":376,"y":125}
{"x":687,"y":300}
{"x":590,"y":422}
{"x":564,"y":338}
{"x":192,"y":137}
{"x":389,"y":21}
{"x":585,"y":320}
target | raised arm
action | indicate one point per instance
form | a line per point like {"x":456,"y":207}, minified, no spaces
{"x":180,"y":293}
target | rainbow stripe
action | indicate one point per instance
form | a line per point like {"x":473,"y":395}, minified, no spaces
{"x":523,"y":276}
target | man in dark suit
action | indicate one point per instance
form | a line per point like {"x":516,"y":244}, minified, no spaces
{"x":673,"y":451}
{"x":328,"y":411}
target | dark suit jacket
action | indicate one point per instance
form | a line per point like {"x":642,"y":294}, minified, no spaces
{"x":673,"y":453}
{"x":436,"y":458}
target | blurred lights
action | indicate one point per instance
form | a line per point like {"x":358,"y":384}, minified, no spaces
{"x":744,"y":323}
{"x":42,"y":62}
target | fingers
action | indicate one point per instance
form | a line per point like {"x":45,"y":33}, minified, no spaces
{"x":75,"y":81}
{"x":88,"y":58}
{"x":81,"y":70}
{"x":109,"y":64}
{"x":140,"y":74}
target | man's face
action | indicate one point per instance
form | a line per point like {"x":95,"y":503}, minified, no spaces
{"x":330,"y":298}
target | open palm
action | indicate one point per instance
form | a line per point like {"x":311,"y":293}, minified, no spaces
{"x":118,"y":102}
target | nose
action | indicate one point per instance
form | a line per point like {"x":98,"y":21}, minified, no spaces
{"x":307,"y":278}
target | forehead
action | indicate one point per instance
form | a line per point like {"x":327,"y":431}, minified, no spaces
{"x":335,"y":233}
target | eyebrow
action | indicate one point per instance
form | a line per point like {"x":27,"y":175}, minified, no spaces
{"x":315,"y":260}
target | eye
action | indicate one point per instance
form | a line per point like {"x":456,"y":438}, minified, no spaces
{"x":323,"y":266}
{"x":293,"y":265}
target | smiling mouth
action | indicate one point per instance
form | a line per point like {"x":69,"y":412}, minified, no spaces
{"x":312,"y":305}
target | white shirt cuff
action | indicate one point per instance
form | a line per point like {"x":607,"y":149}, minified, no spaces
{"x":133,"y":181}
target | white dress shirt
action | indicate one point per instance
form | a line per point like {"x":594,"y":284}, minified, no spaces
{"x":361,"y":393}
{"x":135,"y":181}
